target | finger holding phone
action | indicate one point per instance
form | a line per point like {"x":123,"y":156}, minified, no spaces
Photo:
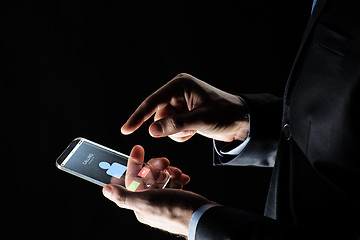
{"x":153,"y":174}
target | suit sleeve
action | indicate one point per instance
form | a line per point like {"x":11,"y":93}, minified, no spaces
{"x":265,"y":121}
{"x":229,"y":223}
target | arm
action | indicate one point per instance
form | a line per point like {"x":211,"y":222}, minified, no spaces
{"x":230,"y":223}
{"x":172,"y":210}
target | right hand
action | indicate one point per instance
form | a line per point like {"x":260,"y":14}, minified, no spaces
{"x":185,"y":106}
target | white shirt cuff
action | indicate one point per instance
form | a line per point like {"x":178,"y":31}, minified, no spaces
{"x":238,"y":149}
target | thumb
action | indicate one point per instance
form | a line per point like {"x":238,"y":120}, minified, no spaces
{"x":192,"y":120}
{"x":121,"y":196}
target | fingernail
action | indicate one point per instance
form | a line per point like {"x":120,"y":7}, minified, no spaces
{"x":124,"y":130}
{"x":156,"y":129}
{"x":107,"y":191}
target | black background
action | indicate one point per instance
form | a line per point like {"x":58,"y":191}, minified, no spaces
{"x":81,"y":68}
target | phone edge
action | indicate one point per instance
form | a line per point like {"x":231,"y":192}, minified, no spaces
{"x":89,"y":178}
{"x":101,"y":184}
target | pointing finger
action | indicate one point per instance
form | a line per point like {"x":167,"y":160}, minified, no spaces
{"x":148,"y":107}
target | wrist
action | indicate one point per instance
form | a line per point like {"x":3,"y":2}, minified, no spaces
{"x":244,"y":131}
{"x":243,"y":122}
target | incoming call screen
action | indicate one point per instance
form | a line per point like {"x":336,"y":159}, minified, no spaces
{"x":97,"y":163}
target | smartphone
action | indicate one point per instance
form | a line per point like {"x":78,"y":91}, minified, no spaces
{"x":101,"y":165}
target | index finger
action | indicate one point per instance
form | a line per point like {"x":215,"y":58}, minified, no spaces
{"x":149,"y":106}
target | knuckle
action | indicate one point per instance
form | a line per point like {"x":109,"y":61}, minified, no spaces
{"x":181,"y":75}
{"x":139,"y":217}
{"x":120,"y":200}
{"x":175,"y":124}
{"x":183,"y":78}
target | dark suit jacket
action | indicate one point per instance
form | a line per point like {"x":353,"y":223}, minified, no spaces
{"x":315,"y":187}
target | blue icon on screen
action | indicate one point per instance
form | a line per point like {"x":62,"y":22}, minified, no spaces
{"x":114,"y":170}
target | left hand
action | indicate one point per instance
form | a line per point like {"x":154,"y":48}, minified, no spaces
{"x":168,"y":209}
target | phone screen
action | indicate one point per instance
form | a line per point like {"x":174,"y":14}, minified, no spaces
{"x":102,"y":166}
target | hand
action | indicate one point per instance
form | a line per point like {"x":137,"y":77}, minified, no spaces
{"x":185,"y":106}
{"x":167,"y":209}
